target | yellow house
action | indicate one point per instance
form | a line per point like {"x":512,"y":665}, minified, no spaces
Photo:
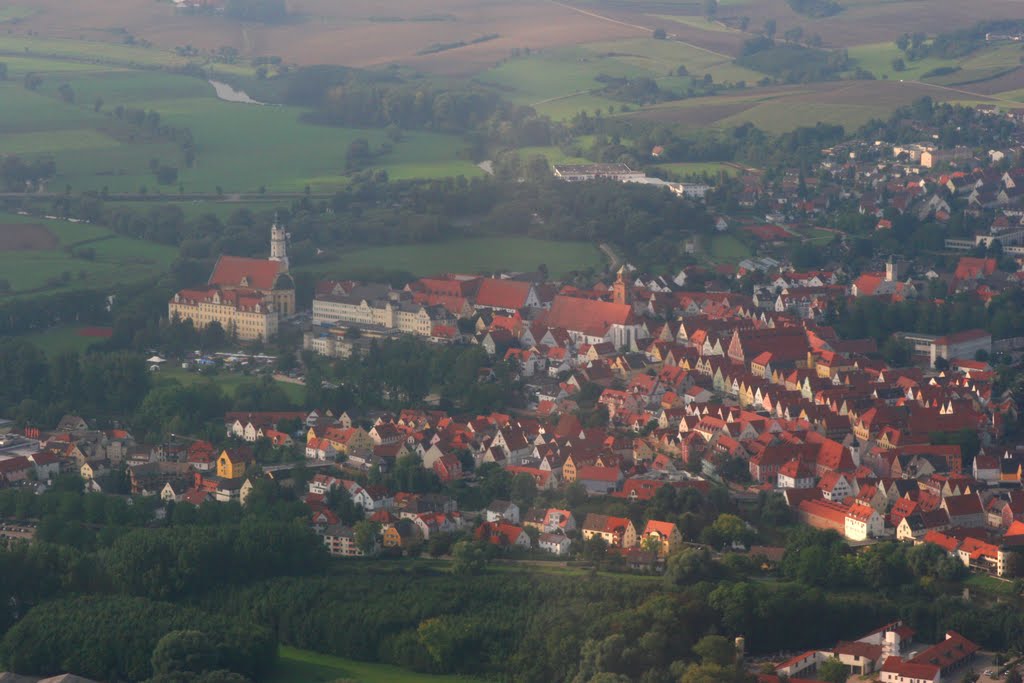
{"x":666,"y":534}
{"x":232,"y":464}
{"x":402,"y":534}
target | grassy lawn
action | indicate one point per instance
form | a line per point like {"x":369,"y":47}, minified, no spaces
{"x":228,"y":382}
{"x":118,"y":260}
{"x":728,"y":248}
{"x":711,"y":168}
{"x":475,"y":255}
{"x":990,"y":584}
{"x":58,"y":340}
{"x":303,"y":666}
{"x":554,"y":155}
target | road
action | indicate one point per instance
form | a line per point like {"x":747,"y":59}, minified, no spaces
{"x":613,"y":259}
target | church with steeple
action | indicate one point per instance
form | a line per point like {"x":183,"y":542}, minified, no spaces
{"x":247,"y":296}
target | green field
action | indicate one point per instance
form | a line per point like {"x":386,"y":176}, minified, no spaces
{"x":89,"y":51}
{"x":302,"y":666}
{"x":226,"y":381}
{"x":476,"y":255}
{"x":118,"y":260}
{"x":58,"y":340}
{"x":554,"y":155}
{"x":711,"y":168}
{"x":240,"y":148}
{"x":780,"y":116}
{"x":986,"y":63}
{"x":728,"y":248}
{"x":15,"y":12}
{"x":559,"y":82}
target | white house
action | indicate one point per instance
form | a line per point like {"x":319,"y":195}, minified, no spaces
{"x":502,"y":511}
{"x":556,"y":544}
{"x":863,"y":522}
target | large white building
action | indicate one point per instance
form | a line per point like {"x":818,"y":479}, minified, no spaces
{"x":246,"y":296}
{"x":379,"y":306}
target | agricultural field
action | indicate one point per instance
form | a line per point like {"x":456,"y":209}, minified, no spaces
{"x":240,"y":148}
{"x":780,"y":109}
{"x":979,"y":67}
{"x":302,"y":666}
{"x":475,"y":255}
{"x":332,"y":32}
{"x":36,"y":256}
{"x":560,"y":83}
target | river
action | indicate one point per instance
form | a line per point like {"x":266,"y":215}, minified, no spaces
{"x":229,"y":94}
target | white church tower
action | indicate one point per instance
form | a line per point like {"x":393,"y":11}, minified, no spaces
{"x":279,"y":245}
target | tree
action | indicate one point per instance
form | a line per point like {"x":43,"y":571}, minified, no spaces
{"x":710,"y":8}
{"x":3,"y":71}
{"x":594,"y":548}
{"x":715,"y":650}
{"x":903,"y":42}
{"x":689,"y":566}
{"x":770,"y":27}
{"x":524,"y":489}
{"x":184,"y":652}
{"x":659,"y":34}
{"x":357,"y":155}
{"x":366,"y":533}
{"x":32,"y":81}
{"x":651,"y":544}
{"x":833,"y":671}
{"x":898,"y":64}
{"x":468,"y":558}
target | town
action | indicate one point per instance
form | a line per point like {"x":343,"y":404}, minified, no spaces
{"x":859,"y":384}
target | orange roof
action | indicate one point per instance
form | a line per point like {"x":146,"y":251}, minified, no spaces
{"x":663,"y":529}
{"x":495,"y":293}
{"x":592,"y":318}
{"x":236,"y":271}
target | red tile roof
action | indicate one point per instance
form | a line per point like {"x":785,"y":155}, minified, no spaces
{"x":495,"y":293}
{"x":592,"y":318}
{"x":230,"y":271}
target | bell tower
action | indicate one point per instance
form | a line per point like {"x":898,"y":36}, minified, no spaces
{"x":279,"y":245}
{"x":620,"y":290}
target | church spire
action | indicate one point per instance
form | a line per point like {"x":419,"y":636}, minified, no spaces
{"x":279,"y":245}
{"x":620,"y":289}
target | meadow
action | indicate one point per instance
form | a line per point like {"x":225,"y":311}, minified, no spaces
{"x":118,"y":260}
{"x":302,"y":666}
{"x":57,"y":340}
{"x":240,"y":148}
{"x":700,"y":168}
{"x":728,"y":248}
{"x":475,"y":255}
{"x":228,"y":382}
{"x":562,"y":82}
